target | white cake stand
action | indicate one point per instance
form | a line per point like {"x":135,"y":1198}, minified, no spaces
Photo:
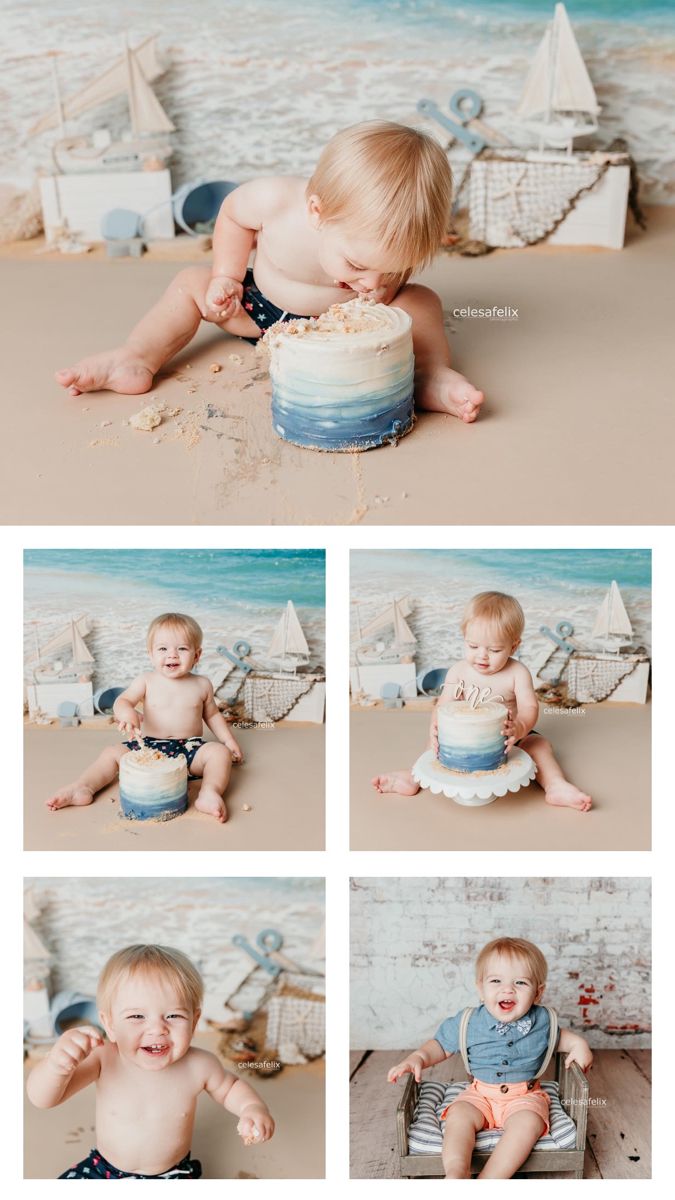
{"x":479,"y":787}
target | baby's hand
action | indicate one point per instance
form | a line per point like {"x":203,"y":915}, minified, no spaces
{"x":235,"y":750}
{"x":223,"y":296}
{"x":255,"y":1125}
{"x":72,"y":1048}
{"x":409,"y":1066}
{"x":131,"y":727}
{"x":580,"y":1053}
{"x":510,"y":731}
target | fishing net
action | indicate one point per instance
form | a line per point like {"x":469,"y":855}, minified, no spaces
{"x":20,"y":216}
{"x":269,"y":699}
{"x":296,"y":1026}
{"x":590,"y":680}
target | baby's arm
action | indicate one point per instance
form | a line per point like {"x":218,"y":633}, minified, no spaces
{"x":238,"y":1097}
{"x":70,"y":1065}
{"x":427,"y":1056}
{"x":240,"y":217}
{"x":124,"y":708}
{"x":576,"y":1048}
{"x":527,"y":707}
{"x":219,"y":726}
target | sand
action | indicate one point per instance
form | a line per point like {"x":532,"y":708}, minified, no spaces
{"x":578,"y":427}
{"x":606,"y":752}
{"x":56,"y":1138}
{"x":286,"y":803}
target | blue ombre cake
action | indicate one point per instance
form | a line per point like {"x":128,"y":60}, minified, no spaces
{"x":471,"y":739}
{"x":343,"y":381}
{"x":153,"y":787}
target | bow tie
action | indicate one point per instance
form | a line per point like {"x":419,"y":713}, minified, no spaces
{"x":523,"y":1025}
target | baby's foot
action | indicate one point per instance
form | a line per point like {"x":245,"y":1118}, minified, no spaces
{"x":445,"y":390}
{"x":75,"y":793}
{"x":118,"y":370}
{"x":400,"y":782}
{"x":566,"y":795}
{"x":210,"y":801}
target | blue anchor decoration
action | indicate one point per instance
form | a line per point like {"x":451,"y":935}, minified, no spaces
{"x":267,"y":941}
{"x":240,"y":648}
{"x":563,"y":629}
{"x":465,"y":105}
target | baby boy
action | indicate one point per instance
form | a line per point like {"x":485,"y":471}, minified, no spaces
{"x":148,"y":1077}
{"x":507,"y":1040}
{"x":492,"y":626}
{"x":375,"y":210}
{"x":176,"y":704}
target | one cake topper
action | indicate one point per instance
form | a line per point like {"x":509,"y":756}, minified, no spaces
{"x":474,"y":695}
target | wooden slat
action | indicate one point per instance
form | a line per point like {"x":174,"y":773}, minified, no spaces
{"x":374,"y":1153}
{"x":642,"y":1060}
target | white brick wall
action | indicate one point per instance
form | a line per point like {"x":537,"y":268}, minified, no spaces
{"x":414,"y":943}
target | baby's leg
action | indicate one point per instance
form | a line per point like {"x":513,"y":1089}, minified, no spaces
{"x":437,"y":386}
{"x":213,"y":762}
{"x":521,"y":1130}
{"x":462,"y":1124}
{"x":97,"y":776}
{"x":401,"y":782}
{"x":167,"y":328}
{"x":557,"y":790}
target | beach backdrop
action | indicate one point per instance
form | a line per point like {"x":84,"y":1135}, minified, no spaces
{"x":257,"y":87}
{"x":233,"y":594}
{"x":83,"y":921}
{"x":551,"y":585}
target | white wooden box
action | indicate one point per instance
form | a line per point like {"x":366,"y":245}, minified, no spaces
{"x":310,"y":707}
{"x":46,"y":697}
{"x":599,"y":218}
{"x":83,"y":200}
{"x":632,"y":689}
{"x":369,"y":679}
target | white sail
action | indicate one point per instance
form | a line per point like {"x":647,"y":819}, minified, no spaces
{"x":80,"y":650}
{"x":288,"y":637}
{"x":403,"y":634}
{"x":558,"y":80}
{"x":612,"y":620}
{"x":386,"y":618}
{"x":113,"y":82}
{"x":33,"y":946}
{"x":81,"y":627}
{"x":148,"y":116}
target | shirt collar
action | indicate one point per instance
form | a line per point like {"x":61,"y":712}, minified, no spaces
{"x":524,"y":1024}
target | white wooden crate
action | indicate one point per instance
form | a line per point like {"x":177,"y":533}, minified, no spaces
{"x":83,"y":200}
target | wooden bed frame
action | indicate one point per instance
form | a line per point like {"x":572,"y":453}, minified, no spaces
{"x":574,"y":1091}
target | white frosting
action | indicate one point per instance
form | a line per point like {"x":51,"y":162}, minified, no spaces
{"x":145,"y":773}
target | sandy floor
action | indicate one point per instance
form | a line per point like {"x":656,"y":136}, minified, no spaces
{"x":287,"y":810}
{"x":578,"y":429}
{"x":58,"y":1137}
{"x":606,"y":752}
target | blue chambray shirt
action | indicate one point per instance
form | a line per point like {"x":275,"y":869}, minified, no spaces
{"x":510,"y":1057}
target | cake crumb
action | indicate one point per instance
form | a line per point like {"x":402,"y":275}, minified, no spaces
{"x":104,"y":424}
{"x":235,"y":358}
{"x":148,"y":418}
{"x":246,"y":808}
{"x":215,"y":368}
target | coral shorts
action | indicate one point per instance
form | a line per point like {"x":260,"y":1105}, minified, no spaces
{"x":497,"y":1105}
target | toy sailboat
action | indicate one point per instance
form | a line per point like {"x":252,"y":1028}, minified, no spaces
{"x":81,"y":660}
{"x":393,"y":616}
{"x":288,"y":648}
{"x":146,"y":143}
{"x":559,"y":102}
{"x":612,"y":628}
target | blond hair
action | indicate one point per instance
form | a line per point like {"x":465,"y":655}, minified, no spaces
{"x":498,"y":609}
{"x":391,"y":182}
{"x":172,"y":965}
{"x":180,"y":623}
{"x":514,"y":948}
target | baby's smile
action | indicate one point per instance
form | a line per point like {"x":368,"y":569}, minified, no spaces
{"x":156,"y":1049}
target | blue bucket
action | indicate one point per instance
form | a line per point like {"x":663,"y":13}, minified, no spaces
{"x":430,"y":681}
{"x":198,"y":202}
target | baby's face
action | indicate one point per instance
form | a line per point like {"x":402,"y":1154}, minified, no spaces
{"x":171,"y":654}
{"x":507,"y":988}
{"x":352,"y":260}
{"x":148,"y":1022}
{"x":485,"y":648}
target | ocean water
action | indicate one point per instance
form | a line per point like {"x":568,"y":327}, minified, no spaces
{"x":233,"y":594}
{"x":551,"y":585}
{"x":257,"y":87}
